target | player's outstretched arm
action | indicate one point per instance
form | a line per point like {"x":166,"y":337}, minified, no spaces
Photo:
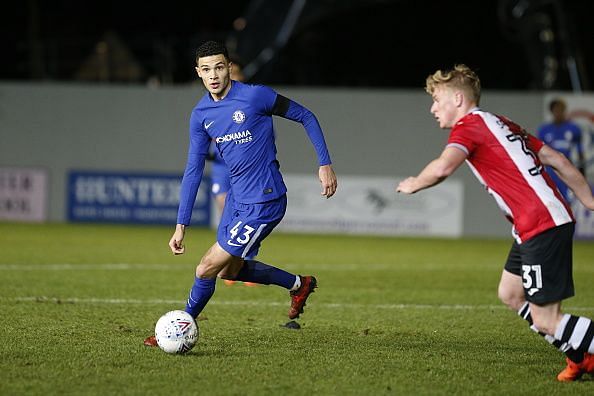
{"x":569,"y":174}
{"x":435,"y":172}
{"x":328,"y":180}
{"x":176,"y":242}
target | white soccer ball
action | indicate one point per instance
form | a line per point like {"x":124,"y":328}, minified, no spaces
{"x":176,"y":332}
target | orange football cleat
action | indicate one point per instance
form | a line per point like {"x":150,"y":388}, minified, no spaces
{"x":574,"y":371}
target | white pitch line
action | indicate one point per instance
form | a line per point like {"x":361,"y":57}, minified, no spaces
{"x":88,"y":267}
{"x":123,"y":301}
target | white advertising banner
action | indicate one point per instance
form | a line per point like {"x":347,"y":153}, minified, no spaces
{"x":23,"y":194}
{"x":370,"y":205}
{"x":580,"y":109}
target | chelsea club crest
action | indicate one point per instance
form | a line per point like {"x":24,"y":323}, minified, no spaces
{"x":239,"y":117}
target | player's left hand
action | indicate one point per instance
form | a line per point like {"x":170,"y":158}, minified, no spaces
{"x":406,"y":186}
{"x":328,"y":180}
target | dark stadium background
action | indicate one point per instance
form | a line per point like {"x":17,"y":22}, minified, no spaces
{"x":514,"y":44}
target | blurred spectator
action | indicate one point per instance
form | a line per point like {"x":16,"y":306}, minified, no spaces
{"x":564,"y":136}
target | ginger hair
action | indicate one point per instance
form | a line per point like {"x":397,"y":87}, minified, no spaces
{"x":461,"y":77}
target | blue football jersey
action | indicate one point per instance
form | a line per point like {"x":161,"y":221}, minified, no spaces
{"x":563,"y":137}
{"x":241,"y":128}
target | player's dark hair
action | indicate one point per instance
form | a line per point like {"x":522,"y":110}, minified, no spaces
{"x":210,"y":48}
{"x":556,"y":102}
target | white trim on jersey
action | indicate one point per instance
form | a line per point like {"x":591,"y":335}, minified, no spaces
{"x":458,"y":146}
{"x":524,"y":163}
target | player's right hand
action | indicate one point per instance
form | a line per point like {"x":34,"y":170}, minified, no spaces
{"x":176,"y":242}
{"x":406,"y":186}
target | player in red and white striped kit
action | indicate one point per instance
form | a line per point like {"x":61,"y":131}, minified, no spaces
{"x":510,"y":164}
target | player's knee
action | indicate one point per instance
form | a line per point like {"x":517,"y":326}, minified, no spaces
{"x":203,"y":273}
{"x":511,"y":298}
{"x":207,"y":268}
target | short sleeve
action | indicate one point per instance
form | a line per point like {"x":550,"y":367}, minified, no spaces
{"x":464,"y":137}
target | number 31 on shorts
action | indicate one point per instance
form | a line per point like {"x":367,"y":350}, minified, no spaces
{"x":532,"y":276}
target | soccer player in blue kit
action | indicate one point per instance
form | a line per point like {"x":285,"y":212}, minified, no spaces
{"x":564,"y":136}
{"x":237,"y":117}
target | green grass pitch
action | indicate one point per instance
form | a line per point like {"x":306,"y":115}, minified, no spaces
{"x":392,"y":316}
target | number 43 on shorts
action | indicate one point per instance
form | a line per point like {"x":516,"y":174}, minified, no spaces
{"x":532,"y":276}
{"x":241,"y":235}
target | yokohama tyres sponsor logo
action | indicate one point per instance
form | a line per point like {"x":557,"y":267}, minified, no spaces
{"x":237,"y":137}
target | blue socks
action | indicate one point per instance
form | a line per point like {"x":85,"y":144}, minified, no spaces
{"x":257,"y":272}
{"x":252,"y":271}
{"x":200,"y":293}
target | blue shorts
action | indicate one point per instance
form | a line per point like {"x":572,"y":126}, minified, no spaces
{"x":220,"y":179}
{"x":243,"y":227}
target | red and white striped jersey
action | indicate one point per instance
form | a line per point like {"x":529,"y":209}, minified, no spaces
{"x":504,"y":159}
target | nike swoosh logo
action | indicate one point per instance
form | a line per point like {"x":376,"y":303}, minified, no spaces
{"x":233,"y":244}
{"x":208,"y":125}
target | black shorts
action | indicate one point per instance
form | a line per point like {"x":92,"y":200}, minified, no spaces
{"x":545,"y":263}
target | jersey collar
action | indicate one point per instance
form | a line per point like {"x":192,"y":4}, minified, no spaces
{"x":230,"y":94}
